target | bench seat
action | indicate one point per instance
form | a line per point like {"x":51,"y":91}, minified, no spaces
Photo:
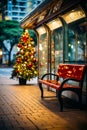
{"x":56,"y":84}
{"x":68,"y":73}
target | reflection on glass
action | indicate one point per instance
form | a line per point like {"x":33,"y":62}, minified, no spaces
{"x":56,"y":49}
{"x":76,"y":43}
{"x":43,"y":54}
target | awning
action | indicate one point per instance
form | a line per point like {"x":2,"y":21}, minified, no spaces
{"x":47,"y":10}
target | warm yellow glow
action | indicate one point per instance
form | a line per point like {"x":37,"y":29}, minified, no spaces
{"x":18,"y":48}
{"x":69,"y":44}
{"x":74,"y":15}
{"x":40,"y":48}
{"x":26,"y":30}
{"x":0,"y":16}
{"x":54,"y":24}
{"x":29,"y":45}
{"x":78,"y":42}
{"x":41,"y":30}
{"x":7,"y":18}
{"x":0,"y":52}
{"x":43,"y":58}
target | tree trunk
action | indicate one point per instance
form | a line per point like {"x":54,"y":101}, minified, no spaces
{"x":9,"y":58}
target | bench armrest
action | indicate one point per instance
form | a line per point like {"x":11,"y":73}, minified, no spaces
{"x":50,"y":74}
{"x":66,"y":80}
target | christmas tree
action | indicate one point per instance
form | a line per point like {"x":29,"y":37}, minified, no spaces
{"x":25,"y":65}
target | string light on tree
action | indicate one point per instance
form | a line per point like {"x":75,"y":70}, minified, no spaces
{"x":26,"y":63}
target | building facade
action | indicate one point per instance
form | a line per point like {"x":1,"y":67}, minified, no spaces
{"x":18,"y":11}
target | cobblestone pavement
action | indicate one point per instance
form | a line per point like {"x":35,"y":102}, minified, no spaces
{"x":21,"y":108}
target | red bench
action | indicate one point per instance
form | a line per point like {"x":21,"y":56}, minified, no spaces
{"x":69,"y":73}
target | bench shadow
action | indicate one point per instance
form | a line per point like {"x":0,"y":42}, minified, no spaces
{"x":53,"y":105}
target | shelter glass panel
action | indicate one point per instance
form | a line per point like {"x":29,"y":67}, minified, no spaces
{"x":42,"y":51}
{"x":56,"y":43}
{"x":77,"y":38}
{"x":56,"y":49}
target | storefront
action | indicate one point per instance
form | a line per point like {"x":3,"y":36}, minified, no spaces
{"x":61,"y":29}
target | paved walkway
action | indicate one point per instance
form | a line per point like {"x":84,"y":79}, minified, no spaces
{"x":21,"y":108}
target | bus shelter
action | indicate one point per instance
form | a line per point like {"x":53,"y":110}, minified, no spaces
{"x":61,"y":29}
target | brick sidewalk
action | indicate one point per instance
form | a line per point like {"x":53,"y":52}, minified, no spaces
{"x":21,"y":108}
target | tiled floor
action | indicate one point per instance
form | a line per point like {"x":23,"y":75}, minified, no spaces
{"x":21,"y":108}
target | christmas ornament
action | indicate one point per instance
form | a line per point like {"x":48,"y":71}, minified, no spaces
{"x":25,"y":66}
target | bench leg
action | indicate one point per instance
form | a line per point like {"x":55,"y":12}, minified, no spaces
{"x":41,"y":89}
{"x":58,"y":93}
{"x":80,"y":101}
{"x":79,"y":93}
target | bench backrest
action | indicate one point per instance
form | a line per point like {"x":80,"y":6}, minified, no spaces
{"x":71,"y":71}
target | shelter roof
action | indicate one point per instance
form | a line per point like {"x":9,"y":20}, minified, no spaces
{"x":47,"y":10}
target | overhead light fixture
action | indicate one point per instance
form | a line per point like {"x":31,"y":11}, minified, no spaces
{"x":74,"y":15}
{"x":41,"y":30}
{"x":54,"y":24}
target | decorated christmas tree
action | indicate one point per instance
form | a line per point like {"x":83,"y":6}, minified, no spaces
{"x":25,"y":65}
